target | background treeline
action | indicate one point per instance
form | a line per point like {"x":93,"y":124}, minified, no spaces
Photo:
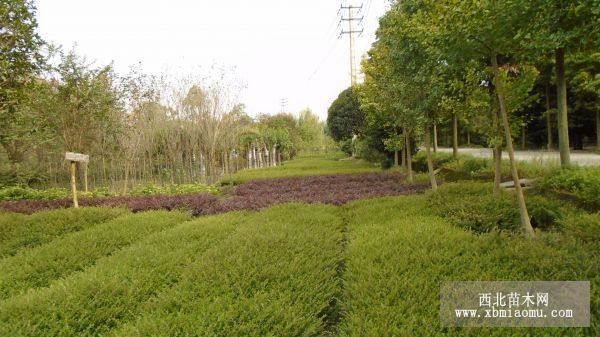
{"x":137,"y":128}
{"x":494,"y":73}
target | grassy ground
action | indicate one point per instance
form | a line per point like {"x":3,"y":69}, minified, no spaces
{"x":368,"y":268}
{"x":308,"y":165}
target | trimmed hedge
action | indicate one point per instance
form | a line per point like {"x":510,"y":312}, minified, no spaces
{"x":582,"y":182}
{"x":399,"y":256}
{"x":27,"y":193}
{"x":419,"y":160}
{"x":39,"y":266}
{"x":276,"y":276}
{"x":472,"y":206}
{"x":174,"y":189}
{"x":18,"y":231}
{"x":114,"y":291}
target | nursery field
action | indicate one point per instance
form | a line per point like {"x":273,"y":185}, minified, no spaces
{"x":328,"y":255}
{"x":306,"y":165}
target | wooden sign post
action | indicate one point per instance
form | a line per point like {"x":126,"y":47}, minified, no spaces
{"x":75,"y":158}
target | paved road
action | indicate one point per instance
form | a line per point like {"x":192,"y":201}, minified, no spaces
{"x":541,"y":157}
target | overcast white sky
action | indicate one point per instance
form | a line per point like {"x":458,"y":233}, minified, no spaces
{"x":279,"y":48}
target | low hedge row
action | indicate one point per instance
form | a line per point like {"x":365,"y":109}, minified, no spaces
{"x":18,"y":231}
{"x":582,"y":182}
{"x":275,"y":276}
{"x":472,"y":206}
{"x":38,"y":266}
{"x":113,"y":292}
{"x":399,"y":256}
{"x":15,"y":193}
{"x":174,"y":189}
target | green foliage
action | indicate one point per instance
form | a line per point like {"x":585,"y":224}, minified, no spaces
{"x":19,"y":231}
{"x":582,"y":182}
{"x":398,"y":254}
{"x":276,"y":276}
{"x":39,"y":266}
{"x":305,"y":165}
{"x":345,"y":117}
{"x":473,"y":206}
{"x":28,"y":193}
{"x":347,"y":146}
{"x":250,"y":274}
{"x":387,"y":163}
{"x":585,"y":227}
{"x":439,"y":159}
{"x":174,"y":189}
{"x":20,"y":62}
{"x":365,"y":148}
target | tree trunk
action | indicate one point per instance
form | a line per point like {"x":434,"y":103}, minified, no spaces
{"x":523,"y":137}
{"x":74,"y":184}
{"x":497,"y":150}
{"x":259,"y":157}
{"x":403,"y":153}
{"x":435,"y":137}
{"x":85,"y":177}
{"x":396,"y":158}
{"x":548,"y":118}
{"x":249,"y":154}
{"x":497,"y":169}
{"x":430,"y":160}
{"x":561,"y":102}
{"x":598,"y":129}
{"x":468,"y":138}
{"x":408,"y":157}
{"x":274,"y":155}
{"x":525,"y":221}
{"x":455,"y":136}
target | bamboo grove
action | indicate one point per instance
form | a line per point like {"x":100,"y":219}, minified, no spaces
{"x":481,"y":63}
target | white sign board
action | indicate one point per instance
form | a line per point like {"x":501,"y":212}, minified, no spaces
{"x":72,"y":156}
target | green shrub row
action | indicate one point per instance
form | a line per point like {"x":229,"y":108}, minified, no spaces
{"x":397,"y":261}
{"x":276,"y":276}
{"x":472,"y":206}
{"x":305,"y":165}
{"x":14,"y":193}
{"x":419,"y":160}
{"x":174,"y":189}
{"x":111,"y":293}
{"x":582,"y":182}
{"x":18,"y":231}
{"x":38,"y":266}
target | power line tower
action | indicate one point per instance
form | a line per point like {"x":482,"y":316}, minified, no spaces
{"x":352,"y":17}
{"x":283,"y":103}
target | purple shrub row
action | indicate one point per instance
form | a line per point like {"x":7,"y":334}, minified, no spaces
{"x":330,"y":189}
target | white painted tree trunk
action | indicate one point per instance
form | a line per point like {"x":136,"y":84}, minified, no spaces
{"x":260,"y":158}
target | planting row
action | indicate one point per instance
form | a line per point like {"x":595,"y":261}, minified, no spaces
{"x":14,"y":193}
{"x":399,"y":255}
{"x":39,"y":266}
{"x":331,"y":189}
{"x":250,"y":274}
{"x":18,"y":231}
